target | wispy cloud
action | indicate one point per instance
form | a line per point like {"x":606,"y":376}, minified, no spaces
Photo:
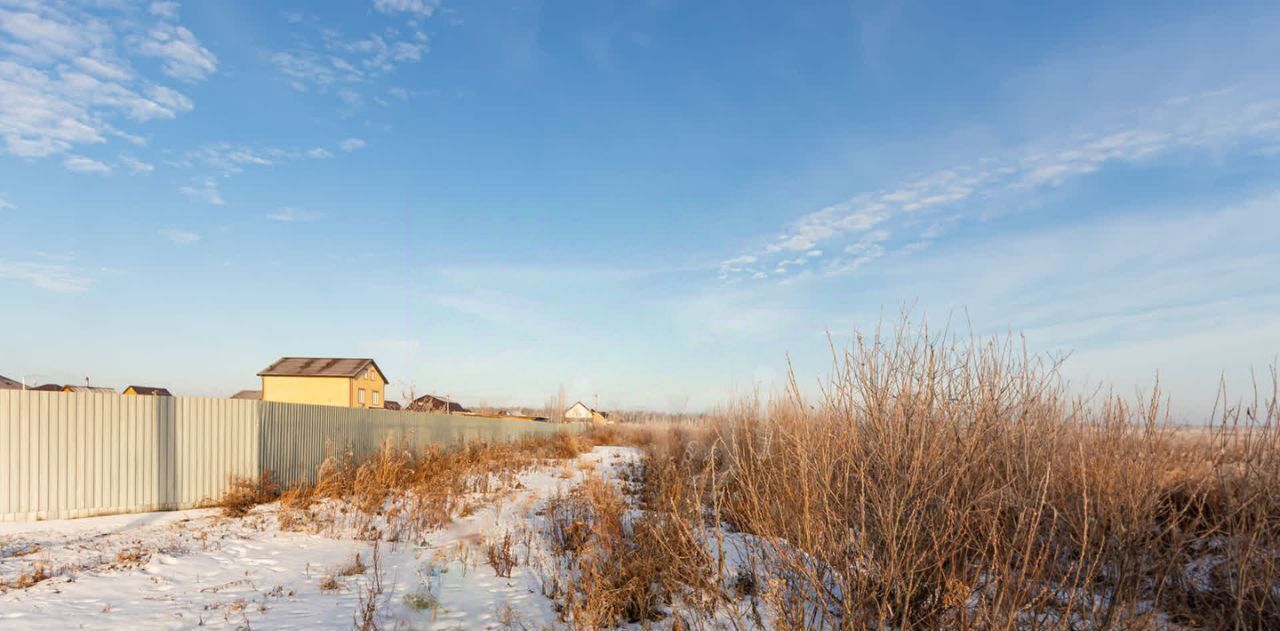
{"x":923,"y":209}
{"x":181,"y":54}
{"x":420,"y":8}
{"x":66,"y":77}
{"x":134,"y":165}
{"x":293,"y":215}
{"x":55,"y":277}
{"x":5,"y":204}
{"x":179,"y":237}
{"x":165,"y":9}
{"x":81,"y":164}
{"x":351,"y":144}
{"x":204,"y":189}
{"x":325,"y":59}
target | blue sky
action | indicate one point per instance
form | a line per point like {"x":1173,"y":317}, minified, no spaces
{"x":656,"y":202}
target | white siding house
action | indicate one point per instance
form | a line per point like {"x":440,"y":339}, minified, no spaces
{"x":577,"y":412}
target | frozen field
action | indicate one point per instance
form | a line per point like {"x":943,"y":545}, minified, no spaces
{"x":198,"y":568}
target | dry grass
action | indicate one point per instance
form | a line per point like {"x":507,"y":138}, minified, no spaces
{"x":366,"y":614}
{"x":500,"y":555}
{"x":245,"y":493}
{"x":611,"y":565}
{"x":397,"y":493}
{"x":939,"y":484}
{"x":353,"y":567}
{"x":329,"y":583}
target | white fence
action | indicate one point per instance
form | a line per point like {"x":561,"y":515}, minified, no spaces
{"x":66,"y":455}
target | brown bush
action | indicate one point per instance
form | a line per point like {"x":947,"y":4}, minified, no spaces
{"x":500,"y":555}
{"x":939,"y":483}
{"x":245,"y":493}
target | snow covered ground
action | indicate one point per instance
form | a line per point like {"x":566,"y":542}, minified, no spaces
{"x":197,"y":568}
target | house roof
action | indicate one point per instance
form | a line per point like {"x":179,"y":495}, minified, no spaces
{"x":321,"y":367}
{"x":151,"y":390}
{"x":430,"y":402}
{"x":255,"y":395}
{"x":9,"y":384}
{"x":98,"y":389}
{"x":390,"y":405}
{"x":48,"y":387}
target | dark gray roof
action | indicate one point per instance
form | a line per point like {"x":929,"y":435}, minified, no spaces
{"x":9,"y":384}
{"x":255,"y":395}
{"x":320,"y":367}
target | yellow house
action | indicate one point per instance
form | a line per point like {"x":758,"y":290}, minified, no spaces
{"x":148,"y":391}
{"x":344,"y":382}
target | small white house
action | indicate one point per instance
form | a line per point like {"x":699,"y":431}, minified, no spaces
{"x":578,"y":412}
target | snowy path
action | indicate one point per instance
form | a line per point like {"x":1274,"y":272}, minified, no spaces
{"x":196,"y":568}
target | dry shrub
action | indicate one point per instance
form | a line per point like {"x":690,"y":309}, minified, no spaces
{"x":353,"y":567}
{"x":944,"y":483}
{"x":500,"y":556}
{"x":133,"y":556}
{"x":329,"y":583}
{"x":419,"y":490}
{"x":366,"y":614}
{"x":611,"y":566}
{"x":37,"y":574}
{"x":245,"y":493}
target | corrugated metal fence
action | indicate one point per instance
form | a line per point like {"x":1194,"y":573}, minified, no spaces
{"x":68,"y":455}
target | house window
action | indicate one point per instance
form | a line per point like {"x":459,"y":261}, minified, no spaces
{"x":360,"y":396}
{"x":376,"y":396}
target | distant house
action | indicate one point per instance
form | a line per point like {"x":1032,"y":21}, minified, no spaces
{"x":252,"y":395}
{"x":48,"y":387}
{"x":344,"y":382}
{"x":9,"y":384}
{"x":150,"y":391}
{"x":432,"y":403}
{"x":391,"y":405}
{"x":579,"y":412}
{"x":95,"y":389}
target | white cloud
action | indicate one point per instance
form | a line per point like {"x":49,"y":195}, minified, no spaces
{"x":165,"y":9}
{"x":205,"y":190}
{"x":183,"y":56}
{"x":351,"y":97}
{"x":66,"y":79}
{"x":5,"y":204}
{"x":179,"y":237}
{"x":54,"y":277}
{"x":926,"y":207}
{"x":351,"y":144}
{"x":81,"y":164}
{"x":135,"y":166}
{"x":228,"y":158}
{"x":292,"y":215}
{"x":324,"y":58}
{"x":421,"y":8}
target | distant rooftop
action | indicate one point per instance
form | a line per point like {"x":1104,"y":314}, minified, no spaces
{"x":320,"y":367}
{"x":151,"y":391}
